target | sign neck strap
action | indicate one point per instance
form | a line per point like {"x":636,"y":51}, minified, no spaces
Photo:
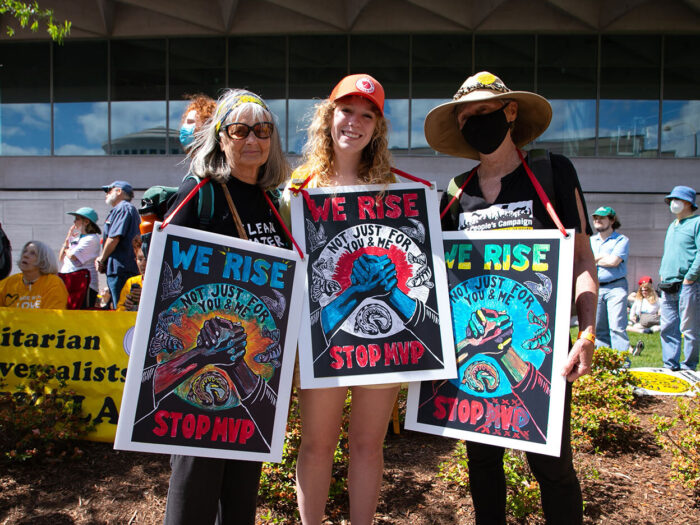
{"x":187,"y":199}
{"x":284,"y":226}
{"x":458,"y":193}
{"x":543,"y":196}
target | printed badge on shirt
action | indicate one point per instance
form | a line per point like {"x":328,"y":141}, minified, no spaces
{"x":264,"y":233}
{"x":508,"y":216}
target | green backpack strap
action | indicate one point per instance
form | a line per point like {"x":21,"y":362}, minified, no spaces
{"x":205,"y":200}
{"x":541,"y":165}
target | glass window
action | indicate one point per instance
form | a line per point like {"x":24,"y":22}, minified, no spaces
{"x":440,"y":64}
{"x":316,"y":64}
{"x":25,"y":109}
{"x":387,"y":58}
{"x":80,"y":98}
{"x":138,"y":109}
{"x":681,"y":106}
{"x":629,"y":95}
{"x":196,"y":65}
{"x":259,"y":64}
{"x":509,"y":57}
{"x":566,"y":76}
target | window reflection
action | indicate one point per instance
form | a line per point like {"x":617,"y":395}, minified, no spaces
{"x":572,"y":130}
{"x":138,"y":128}
{"x":419,"y":109}
{"x":138,"y":94}
{"x":80,"y":128}
{"x":629,"y":90}
{"x":681,"y":105}
{"x":25,"y":112}
{"x":396,"y":111}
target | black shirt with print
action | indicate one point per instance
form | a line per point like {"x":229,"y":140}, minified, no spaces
{"x":517,"y":205}
{"x":258,"y":220}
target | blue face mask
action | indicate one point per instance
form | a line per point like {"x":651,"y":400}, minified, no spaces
{"x":187,"y":135}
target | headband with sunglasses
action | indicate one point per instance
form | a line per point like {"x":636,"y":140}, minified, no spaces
{"x":245,"y":98}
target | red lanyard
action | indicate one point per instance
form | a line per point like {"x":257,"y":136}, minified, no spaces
{"x":538,"y":188}
{"x":193,"y":192}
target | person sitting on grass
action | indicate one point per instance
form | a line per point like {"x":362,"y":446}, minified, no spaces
{"x":644,"y":313}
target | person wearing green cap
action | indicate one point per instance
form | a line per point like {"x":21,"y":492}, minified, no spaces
{"x":82,"y":247}
{"x":611,"y":250}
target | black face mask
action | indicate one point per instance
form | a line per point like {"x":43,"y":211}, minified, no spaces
{"x":486,"y":132}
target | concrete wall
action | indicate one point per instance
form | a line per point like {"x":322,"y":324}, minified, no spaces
{"x":36,"y":192}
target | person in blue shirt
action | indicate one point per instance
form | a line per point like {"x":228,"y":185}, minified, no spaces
{"x":121,"y":226}
{"x":611,"y":250}
{"x":680,"y":290}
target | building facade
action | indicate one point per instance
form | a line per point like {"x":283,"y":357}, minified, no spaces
{"x":623,"y":79}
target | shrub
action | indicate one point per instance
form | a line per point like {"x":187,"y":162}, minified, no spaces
{"x":278,"y":481}
{"x":681,"y":435}
{"x":601,"y":403}
{"x":522,"y":490}
{"x":41,"y":418}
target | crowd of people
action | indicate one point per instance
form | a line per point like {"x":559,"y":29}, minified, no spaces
{"x":235,"y":142}
{"x":673,"y":310}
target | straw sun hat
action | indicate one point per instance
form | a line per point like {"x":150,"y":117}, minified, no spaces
{"x":443,"y":134}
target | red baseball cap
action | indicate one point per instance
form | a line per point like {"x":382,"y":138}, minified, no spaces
{"x":362,"y":85}
{"x":644,"y":279}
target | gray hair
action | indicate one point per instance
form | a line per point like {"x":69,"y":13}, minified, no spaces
{"x":210,"y":161}
{"x":46,"y":258}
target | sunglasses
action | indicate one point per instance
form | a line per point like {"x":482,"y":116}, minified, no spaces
{"x":240,"y":131}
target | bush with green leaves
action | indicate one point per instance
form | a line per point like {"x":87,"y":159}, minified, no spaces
{"x":41,"y":418}
{"x":278,"y":481}
{"x":522,"y":489}
{"x":681,"y":435}
{"x":601,"y":405}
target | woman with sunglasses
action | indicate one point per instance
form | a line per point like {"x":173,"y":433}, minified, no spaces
{"x":347,"y":145}
{"x":239,"y":150}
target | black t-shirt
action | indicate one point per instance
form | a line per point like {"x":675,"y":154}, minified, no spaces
{"x":518,"y":205}
{"x":258,"y":220}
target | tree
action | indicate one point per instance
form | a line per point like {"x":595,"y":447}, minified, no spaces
{"x":29,"y":14}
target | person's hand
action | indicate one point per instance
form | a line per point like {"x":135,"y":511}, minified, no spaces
{"x":686,"y":281}
{"x":373,"y":275}
{"x":488,"y":332}
{"x":220,"y":338}
{"x":131,"y":302}
{"x":579,"y":361}
{"x":99,"y":265}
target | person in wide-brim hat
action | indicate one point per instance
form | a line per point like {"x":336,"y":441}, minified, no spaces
{"x":444,"y":135}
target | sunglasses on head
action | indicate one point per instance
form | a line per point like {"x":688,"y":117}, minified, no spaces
{"x":240,"y":131}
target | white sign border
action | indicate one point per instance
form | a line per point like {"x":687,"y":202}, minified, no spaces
{"x":440,"y":275}
{"x":123,"y":440}
{"x":560,"y":349}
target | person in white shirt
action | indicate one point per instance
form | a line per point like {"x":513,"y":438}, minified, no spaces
{"x":82,"y":247}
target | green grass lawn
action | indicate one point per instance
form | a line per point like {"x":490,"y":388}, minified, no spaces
{"x":651,"y":355}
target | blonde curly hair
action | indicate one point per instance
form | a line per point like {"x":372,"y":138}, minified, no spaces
{"x":375,"y":164}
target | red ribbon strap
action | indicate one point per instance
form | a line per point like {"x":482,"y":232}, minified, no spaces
{"x":458,"y":193}
{"x":184,"y":201}
{"x":408,"y":176}
{"x":543,"y":196}
{"x":284,"y":226}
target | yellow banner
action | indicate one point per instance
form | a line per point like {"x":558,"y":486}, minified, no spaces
{"x":90,"y":349}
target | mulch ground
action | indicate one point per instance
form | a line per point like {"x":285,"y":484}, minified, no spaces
{"x":626,"y":486}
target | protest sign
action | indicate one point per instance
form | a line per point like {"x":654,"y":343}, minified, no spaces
{"x":510,"y":294}
{"x":377,"y":286}
{"x":213,"y":354}
{"x":88,"y":349}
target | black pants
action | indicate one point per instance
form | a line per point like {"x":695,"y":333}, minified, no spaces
{"x":212,"y":491}
{"x":562,"y":502}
